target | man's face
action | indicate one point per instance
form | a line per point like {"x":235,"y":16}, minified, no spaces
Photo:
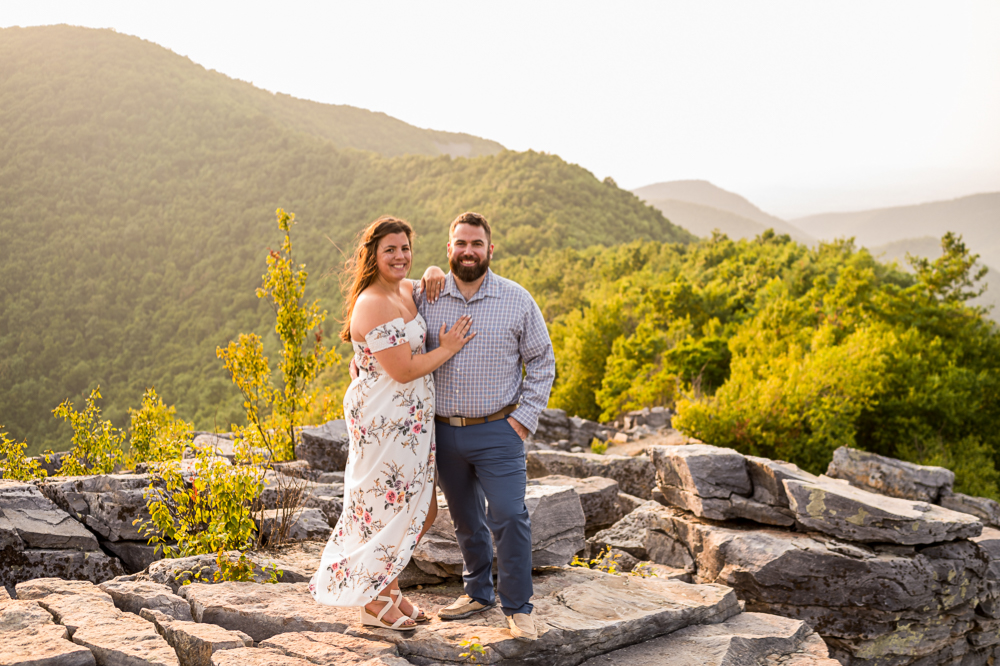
{"x":469,"y":252}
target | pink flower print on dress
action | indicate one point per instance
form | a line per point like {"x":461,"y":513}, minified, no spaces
{"x":390,"y":496}
{"x":368,"y":518}
{"x":417,"y":428}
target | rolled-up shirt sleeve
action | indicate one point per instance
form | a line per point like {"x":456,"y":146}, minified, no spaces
{"x":540,"y":366}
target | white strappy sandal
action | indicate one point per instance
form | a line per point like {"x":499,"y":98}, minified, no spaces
{"x":371,"y":620}
{"x":417,"y":615}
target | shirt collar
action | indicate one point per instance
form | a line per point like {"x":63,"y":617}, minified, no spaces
{"x":489,"y":287}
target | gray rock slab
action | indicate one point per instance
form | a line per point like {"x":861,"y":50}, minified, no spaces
{"x":283,"y":490}
{"x":43,"y":645}
{"x":438,"y":553}
{"x":635,"y":474}
{"x":768,"y":478}
{"x":134,"y":596}
{"x":301,"y":524}
{"x":20,"y":566}
{"x":332,"y":649}
{"x":324,"y":447}
{"x":39,"y":522}
{"x":735,"y":507}
{"x":297,"y":468}
{"x":18,"y":615}
{"x":579,"y":613}
{"x":106,"y":503}
{"x":889,"y":476}
{"x":218,"y":446}
{"x":553,"y":425}
{"x":195,"y":642}
{"x":176,"y":572}
{"x":647,"y":533}
{"x":265,"y":610}
{"x":747,"y":638}
{"x":985,"y":509}
{"x":598,"y":497}
{"x":702,"y":470}
{"x":854,"y":514}
{"x":328,"y":498}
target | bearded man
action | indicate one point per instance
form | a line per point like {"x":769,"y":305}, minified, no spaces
{"x":485,"y":407}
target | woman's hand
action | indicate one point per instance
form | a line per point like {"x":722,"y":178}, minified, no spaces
{"x":458,"y":336}
{"x":432,"y":283}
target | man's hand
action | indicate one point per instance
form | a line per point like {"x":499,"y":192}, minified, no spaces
{"x":354,"y":369}
{"x":521,"y":431}
{"x":432,"y":283}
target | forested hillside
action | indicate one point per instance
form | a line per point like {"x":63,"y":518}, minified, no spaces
{"x":779,"y":350}
{"x":138,"y":197}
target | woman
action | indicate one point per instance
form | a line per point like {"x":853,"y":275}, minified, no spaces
{"x":389,"y":496}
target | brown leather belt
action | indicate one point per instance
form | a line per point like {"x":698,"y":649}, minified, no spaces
{"x":459,"y":421}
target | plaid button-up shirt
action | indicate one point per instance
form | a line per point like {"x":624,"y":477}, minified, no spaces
{"x":486,"y":375}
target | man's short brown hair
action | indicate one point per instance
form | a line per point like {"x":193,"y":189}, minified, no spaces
{"x":475,"y":220}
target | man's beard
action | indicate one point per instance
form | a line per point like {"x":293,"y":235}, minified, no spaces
{"x":469,"y":273}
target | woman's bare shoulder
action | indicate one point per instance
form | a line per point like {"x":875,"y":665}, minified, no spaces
{"x":372,"y":309}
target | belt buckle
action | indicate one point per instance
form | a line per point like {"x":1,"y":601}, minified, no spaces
{"x":456,"y":421}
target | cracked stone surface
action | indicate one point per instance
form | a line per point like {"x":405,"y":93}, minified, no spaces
{"x":333,"y":649}
{"x":16,"y":615}
{"x":38,"y":522}
{"x":176,"y":572}
{"x":888,"y":476}
{"x":634,"y":474}
{"x":133,"y":596}
{"x":106,"y":503}
{"x":850,"y":513}
{"x":194,"y":642}
{"x":43,"y":645}
{"x":747,"y":638}
{"x":324,"y":447}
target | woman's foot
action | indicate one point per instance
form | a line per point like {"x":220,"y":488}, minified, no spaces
{"x":404,"y":605}
{"x":373,"y":608}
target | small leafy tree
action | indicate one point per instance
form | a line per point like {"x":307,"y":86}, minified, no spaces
{"x":97,"y":445}
{"x":156,"y":434}
{"x":273,"y":414}
{"x":15,"y":466}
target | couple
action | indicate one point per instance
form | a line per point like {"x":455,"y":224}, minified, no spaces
{"x":428,"y":396}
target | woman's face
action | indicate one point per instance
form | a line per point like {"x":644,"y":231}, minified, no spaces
{"x":393,"y":257}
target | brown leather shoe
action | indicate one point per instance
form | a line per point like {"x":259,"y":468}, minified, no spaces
{"x":462,"y":607}
{"x":522,"y":627}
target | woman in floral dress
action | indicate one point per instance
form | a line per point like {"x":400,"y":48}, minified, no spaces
{"x":389,"y":496}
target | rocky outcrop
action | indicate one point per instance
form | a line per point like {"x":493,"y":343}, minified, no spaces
{"x":43,"y":645}
{"x":888,"y":476}
{"x":300,"y":524}
{"x":985,"y":509}
{"x":598,"y":497}
{"x":136,"y":596}
{"x":635,"y":474}
{"x":180,"y":571}
{"x":195,"y":643}
{"x":334,"y":649}
{"x":38,"y":539}
{"x":324,"y":447}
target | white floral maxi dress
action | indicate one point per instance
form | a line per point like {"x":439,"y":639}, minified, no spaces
{"x":389,"y":480}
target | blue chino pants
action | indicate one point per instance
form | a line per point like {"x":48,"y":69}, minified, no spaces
{"x":479,"y":464}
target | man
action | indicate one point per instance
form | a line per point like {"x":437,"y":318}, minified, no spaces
{"x":484,"y":411}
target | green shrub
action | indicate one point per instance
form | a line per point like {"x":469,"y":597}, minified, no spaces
{"x":156,"y":435}
{"x":15,"y":466}
{"x":97,"y":445}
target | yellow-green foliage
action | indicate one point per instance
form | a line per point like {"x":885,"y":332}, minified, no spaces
{"x":14,"y":465}
{"x":212,"y":513}
{"x":97,"y":445}
{"x":598,"y":447}
{"x":474,"y":650}
{"x":274,"y":414}
{"x":608,"y":563}
{"x":779,"y":350}
{"x":156,"y":435}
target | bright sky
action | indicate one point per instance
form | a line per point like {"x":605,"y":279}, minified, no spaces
{"x":803,"y":107}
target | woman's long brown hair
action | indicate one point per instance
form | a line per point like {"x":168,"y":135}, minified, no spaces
{"x":361,"y":269}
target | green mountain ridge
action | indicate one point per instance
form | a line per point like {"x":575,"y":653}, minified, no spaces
{"x":139,"y":192}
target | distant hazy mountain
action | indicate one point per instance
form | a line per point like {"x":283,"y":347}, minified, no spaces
{"x":930,"y":247}
{"x":711,"y":205}
{"x":703,"y":220}
{"x":976,"y":218}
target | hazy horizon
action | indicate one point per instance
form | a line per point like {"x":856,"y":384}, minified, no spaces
{"x":802,"y":109}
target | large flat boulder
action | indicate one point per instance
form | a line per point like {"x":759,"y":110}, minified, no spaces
{"x":39,"y":522}
{"x":714,"y":482}
{"x":747,"y":638}
{"x":844,"y":511}
{"x":176,"y":572}
{"x":580,"y":613}
{"x":646,"y":534}
{"x":598,"y":497}
{"x":635,"y":474}
{"x":16,"y":615}
{"x":888,"y":476}
{"x":255,"y":657}
{"x":106,"y":503}
{"x":324,"y":447}
{"x":557,"y":532}
{"x":25,"y":565}
{"x":553,"y":426}
{"x":985,"y":509}
{"x":333,"y":649}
